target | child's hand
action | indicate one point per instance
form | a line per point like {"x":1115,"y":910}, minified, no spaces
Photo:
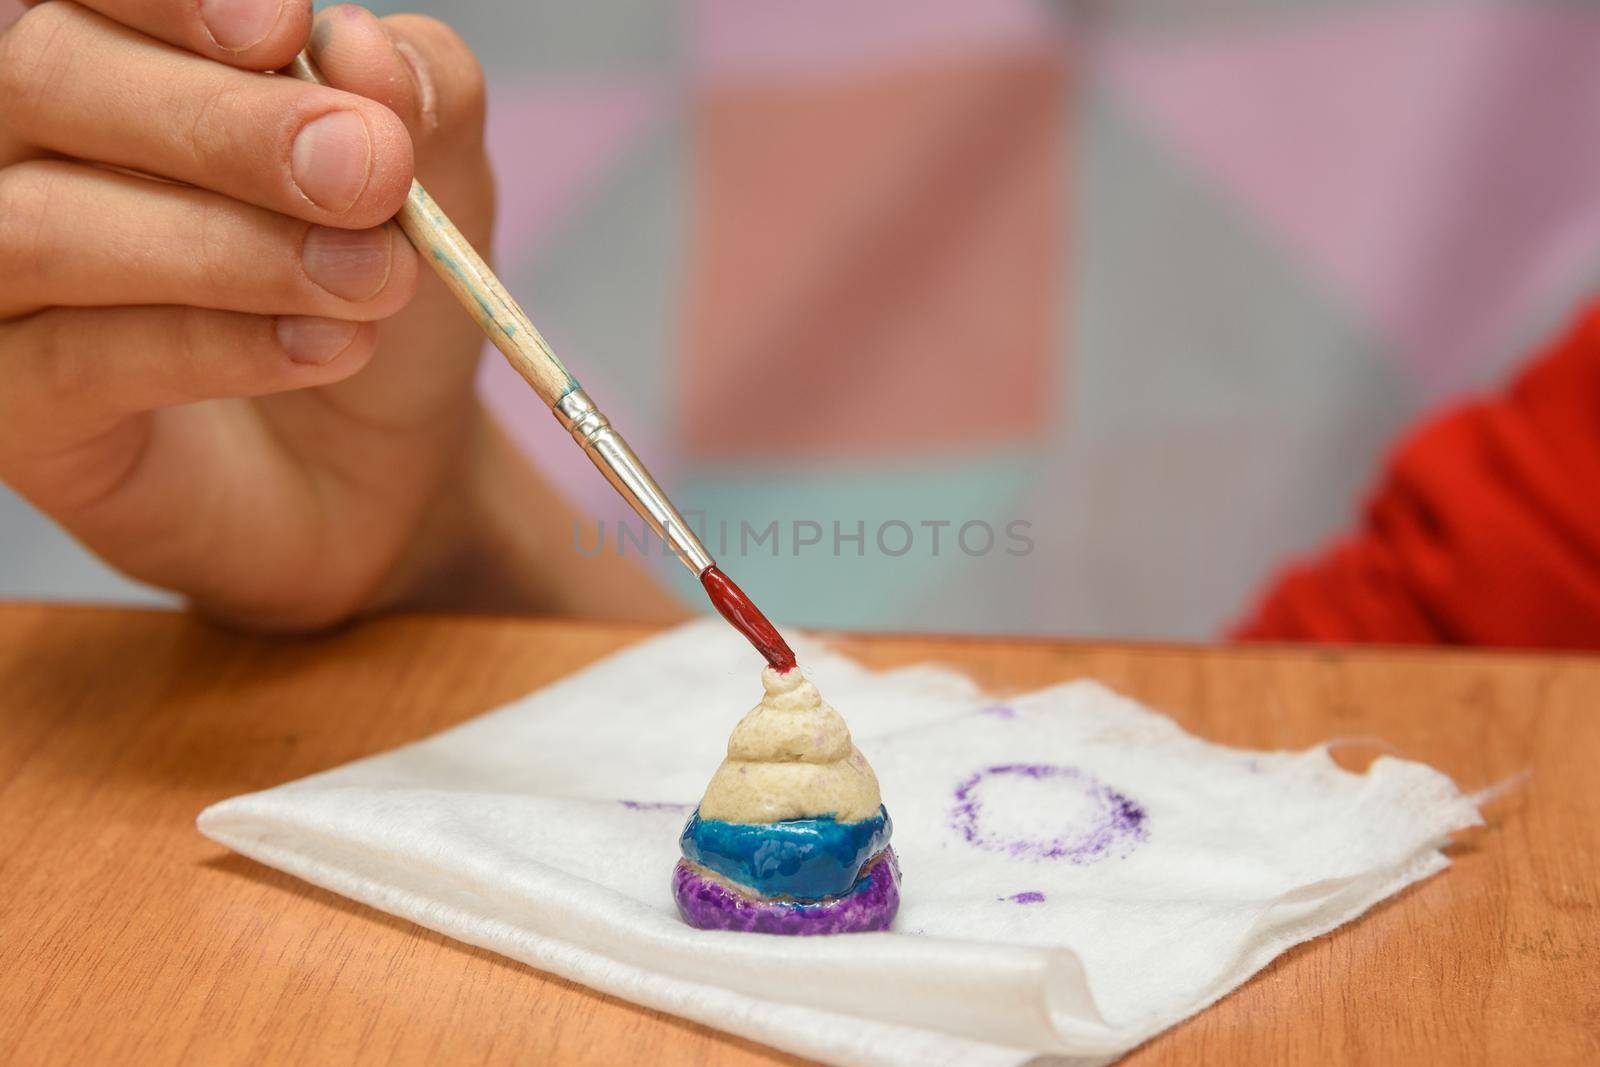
{"x":236,"y":381}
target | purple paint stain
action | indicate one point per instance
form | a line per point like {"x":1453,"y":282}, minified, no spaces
{"x":999,"y":711}
{"x":871,"y":905}
{"x":653,"y":805}
{"x":1030,"y":897}
{"x":1114,"y":826}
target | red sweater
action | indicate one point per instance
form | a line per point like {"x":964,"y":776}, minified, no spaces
{"x":1485,"y":529}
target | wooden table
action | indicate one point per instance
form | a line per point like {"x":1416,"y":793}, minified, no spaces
{"x":126,"y":937}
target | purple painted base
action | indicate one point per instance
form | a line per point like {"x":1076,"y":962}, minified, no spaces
{"x":870,"y":904}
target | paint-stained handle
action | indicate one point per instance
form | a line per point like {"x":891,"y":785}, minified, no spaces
{"x":483,"y":295}
{"x":466,"y":275}
{"x":439,"y":242}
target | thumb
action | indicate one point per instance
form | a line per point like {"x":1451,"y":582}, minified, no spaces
{"x":420,"y":69}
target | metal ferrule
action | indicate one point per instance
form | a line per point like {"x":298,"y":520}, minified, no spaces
{"x":609,"y":452}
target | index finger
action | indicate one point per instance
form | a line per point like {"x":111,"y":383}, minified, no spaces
{"x":73,"y":82}
{"x":253,"y":34}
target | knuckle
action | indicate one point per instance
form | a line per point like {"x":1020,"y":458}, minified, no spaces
{"x":65,"y":370}
{"x":33,"y":54}
{"x":214,"y":119}
{"x":180,"y":339}
{"x":26,"y":190}
{"x":213,"y":246}
{"x":187,"y":340}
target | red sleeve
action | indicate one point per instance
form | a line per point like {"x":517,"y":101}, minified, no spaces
{"x":1485,"y":529}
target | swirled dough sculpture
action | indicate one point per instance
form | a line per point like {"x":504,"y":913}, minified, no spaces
{"x":791,"y":836}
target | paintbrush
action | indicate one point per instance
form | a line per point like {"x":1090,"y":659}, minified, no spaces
{"x":497,"y":313}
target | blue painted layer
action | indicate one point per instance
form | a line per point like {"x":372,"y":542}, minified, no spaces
{"x":804,"y":859}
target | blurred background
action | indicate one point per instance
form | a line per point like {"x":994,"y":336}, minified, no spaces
{"x":1161,"y":280}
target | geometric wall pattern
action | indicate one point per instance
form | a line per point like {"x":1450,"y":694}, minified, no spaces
{"x":1159,"y":281}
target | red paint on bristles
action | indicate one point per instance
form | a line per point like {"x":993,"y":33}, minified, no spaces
{"x":741,"y":611}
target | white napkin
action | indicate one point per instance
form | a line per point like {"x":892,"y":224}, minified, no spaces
{"x":1079,"y":873}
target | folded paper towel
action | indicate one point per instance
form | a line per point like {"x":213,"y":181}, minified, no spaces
{"x":1079,"y":872}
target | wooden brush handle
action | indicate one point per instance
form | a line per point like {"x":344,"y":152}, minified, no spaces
{"x":450,"y":254}
{"x":466,"y":275}
{"x":483,"y":295}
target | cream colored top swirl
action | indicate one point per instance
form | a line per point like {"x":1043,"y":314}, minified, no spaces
{"x":791,"y":757}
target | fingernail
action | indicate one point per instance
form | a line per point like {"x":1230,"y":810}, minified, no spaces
{"x":331,"y":160}
{"x":314,"y":341}
{"x":427,"y":99}
{"x":350,"y":264}
{"x":238,"y":24}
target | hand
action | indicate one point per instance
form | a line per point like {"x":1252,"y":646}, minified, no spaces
{"x":225,"y":371}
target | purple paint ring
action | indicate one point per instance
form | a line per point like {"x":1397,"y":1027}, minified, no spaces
{"x":870,"y":905}
{"x":1113,"y":827}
